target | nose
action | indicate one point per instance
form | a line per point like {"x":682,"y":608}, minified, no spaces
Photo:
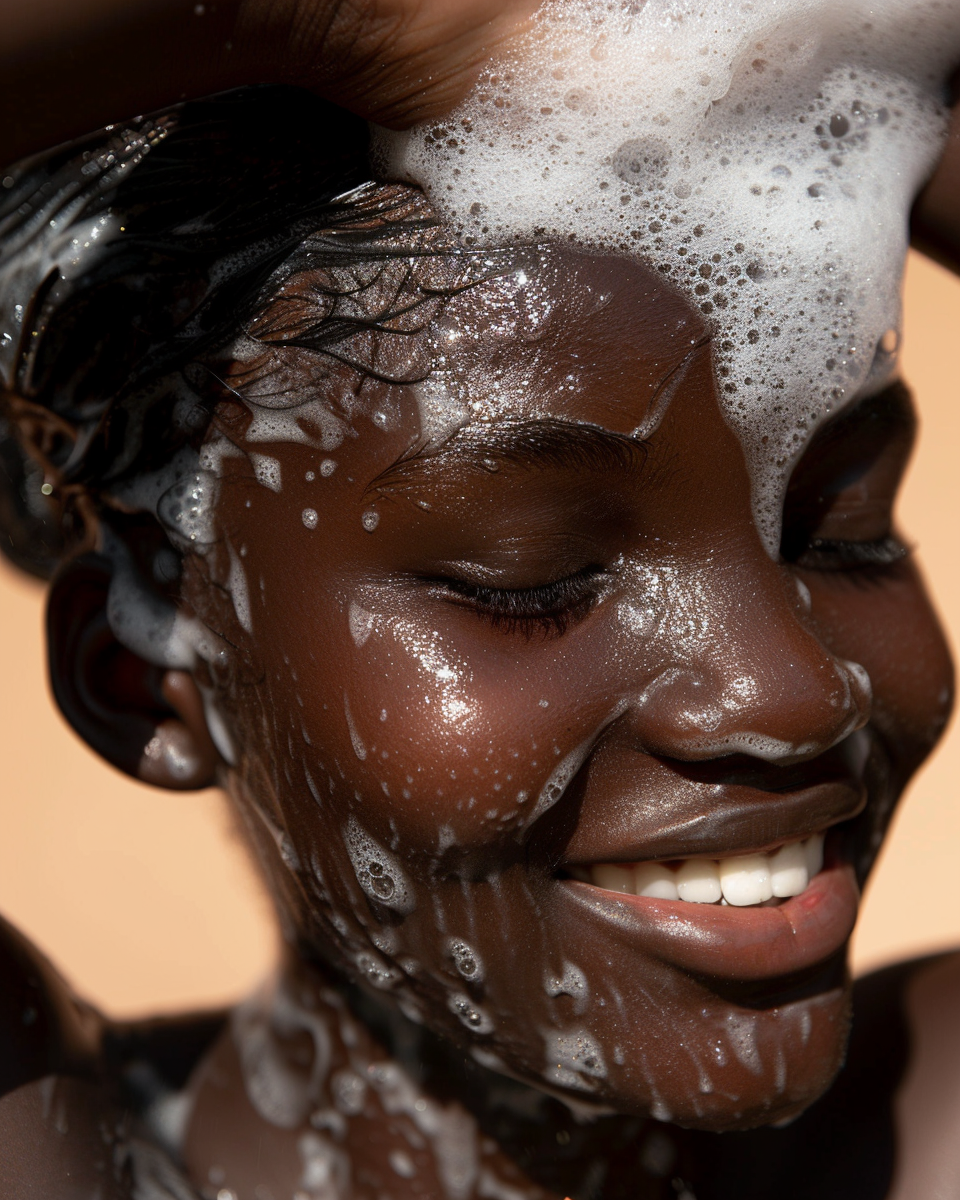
{"x":757,"y":680}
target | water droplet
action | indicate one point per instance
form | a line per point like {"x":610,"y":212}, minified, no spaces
{"x":382,"y":886}
{"x":890,"y":342}
{"x":466,"y":960}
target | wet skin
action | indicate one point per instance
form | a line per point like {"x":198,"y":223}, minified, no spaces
{"x":542,"y":589}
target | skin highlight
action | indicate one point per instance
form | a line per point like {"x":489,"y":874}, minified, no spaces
{"x":902,"y":726}
{"x":378,"y":698}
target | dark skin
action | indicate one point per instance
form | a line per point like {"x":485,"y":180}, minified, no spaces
{"x":682,"y":516}
{"x":460,"y":534}
{"x":392,"y":61}
{"x":696,"y":510}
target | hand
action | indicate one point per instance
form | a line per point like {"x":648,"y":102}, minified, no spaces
{"x":392,"y":61}
{"x":68,"y":66}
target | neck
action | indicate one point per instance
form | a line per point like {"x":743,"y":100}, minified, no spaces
{"x":323,"y":1079}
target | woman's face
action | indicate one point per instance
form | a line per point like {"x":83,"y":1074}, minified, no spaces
{"x":466,"y":675}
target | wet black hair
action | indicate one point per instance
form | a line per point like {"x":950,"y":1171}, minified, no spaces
{"x":130,"y":258}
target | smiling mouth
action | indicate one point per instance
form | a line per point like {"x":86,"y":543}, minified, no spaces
{"x":743,"y":881}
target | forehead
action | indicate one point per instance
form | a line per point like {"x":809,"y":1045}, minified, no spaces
{"x":579,"y":337}
{"x":462,"y":338}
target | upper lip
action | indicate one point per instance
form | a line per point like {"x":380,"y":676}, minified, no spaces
{"x":719,"y":821}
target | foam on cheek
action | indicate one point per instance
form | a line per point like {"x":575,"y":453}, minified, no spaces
{"x":558,"y":780}
{"x":574,"y":1059}
{"x":571,"y":982}
{"x":378,"y":871}
{"x":762,"y":156}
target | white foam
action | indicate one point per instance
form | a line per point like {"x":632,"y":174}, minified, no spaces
{"x":280,"y":1088}
{"x":148,"y":624}
{"x":361,"y":623}
{"x":217,"y":727}
{"x":762,"y":155}
{"x":356,"y":740}
{"x":239,"y":593}
{"x":572,"y":982}
{"x":451,"y":1131}
{"x":267,"y":471}
{"x":378,"y":871}
{"x":469,"y":1013}
{"x":467,"y":961}
{"x":573,"y":1059}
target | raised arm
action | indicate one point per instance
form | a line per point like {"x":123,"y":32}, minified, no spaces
{"x":68,"y":66}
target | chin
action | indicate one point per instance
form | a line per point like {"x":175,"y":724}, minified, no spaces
{"x":756,"y":1107}
{"x":768,"y":1062}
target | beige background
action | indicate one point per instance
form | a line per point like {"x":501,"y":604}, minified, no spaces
{"x":144,"y":898}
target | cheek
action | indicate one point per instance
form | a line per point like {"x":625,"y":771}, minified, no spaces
{"x":892,"y":630}
{"x":393,"y":782}
{"x":467,"y":734}
{"x":452,"y":739}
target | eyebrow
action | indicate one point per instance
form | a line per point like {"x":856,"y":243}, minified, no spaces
{"x":533,"y":444}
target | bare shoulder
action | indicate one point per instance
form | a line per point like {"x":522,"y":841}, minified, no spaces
{"x":928,"y":1101}
{"x":44,"y":1028}
{"x":53,"y":1108}
{"x":87,"y":1106}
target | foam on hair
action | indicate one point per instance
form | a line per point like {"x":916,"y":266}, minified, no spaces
{"x":763,"y":155}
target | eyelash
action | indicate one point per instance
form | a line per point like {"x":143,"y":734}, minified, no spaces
{"x":550,"y":608}
{"x":832,"y":554}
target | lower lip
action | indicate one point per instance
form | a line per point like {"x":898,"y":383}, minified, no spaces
{"x":736,"y":943}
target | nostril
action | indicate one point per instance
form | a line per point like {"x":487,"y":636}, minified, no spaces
{"x":861,"y":684}
{"x":860,"y":704}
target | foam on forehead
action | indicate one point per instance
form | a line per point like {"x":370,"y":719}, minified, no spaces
{"x":762,"y":155}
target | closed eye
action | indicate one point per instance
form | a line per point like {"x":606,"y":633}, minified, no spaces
{"x":835,"y":554}
{"x":549,"y":608}
{"x":838,"y":512}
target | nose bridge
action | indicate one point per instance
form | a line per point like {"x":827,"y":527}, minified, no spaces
{"x":758,"y":680}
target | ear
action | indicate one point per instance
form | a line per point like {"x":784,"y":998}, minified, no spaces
{"x":144,"y":719}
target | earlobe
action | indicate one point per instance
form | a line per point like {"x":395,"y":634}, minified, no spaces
{"x":144,"y":719}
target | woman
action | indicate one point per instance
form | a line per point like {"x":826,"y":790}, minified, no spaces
{"x":445,"y":671}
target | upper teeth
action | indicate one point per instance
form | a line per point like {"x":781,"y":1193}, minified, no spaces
{"x":747,"y":879}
